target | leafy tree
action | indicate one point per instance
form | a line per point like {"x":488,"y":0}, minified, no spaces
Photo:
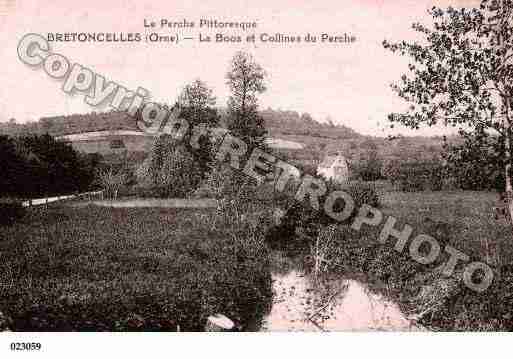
{"x":90,"y":164}
{"x":12,"y":166}
{"x":38,"y":165}
{"x":55,"y":166}
{"x":477,"y":163}
{"x":197,"y":95}
{"x":174,"y":170}
{"x":462,"y":74}
{"x":246,"y":81}
{"x":197,"y":106}
{"x":307,"y":118}
{"x":329,"y":121}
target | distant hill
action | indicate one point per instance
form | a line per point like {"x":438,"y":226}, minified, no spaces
{"x":291,"y":123}
{"x":72,"y":124}
{"x":307,"y":141}
{"x":277,"y":122}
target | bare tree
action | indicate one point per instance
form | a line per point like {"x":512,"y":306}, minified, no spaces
{"x":112,"y":181}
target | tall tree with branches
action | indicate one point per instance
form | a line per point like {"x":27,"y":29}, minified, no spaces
{"x":462,"y":75}
{"x":197,"y":106}
{"x":197,"y":102}
{"x":246,"y":79}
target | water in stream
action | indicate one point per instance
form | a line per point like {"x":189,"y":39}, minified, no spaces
{"x":348,"y":307}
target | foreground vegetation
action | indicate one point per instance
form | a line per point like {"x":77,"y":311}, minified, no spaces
{"x":466,"y":221}
{"x":95,"y":268}
{"x":462,"y":219}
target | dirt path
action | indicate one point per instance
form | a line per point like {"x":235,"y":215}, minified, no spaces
{"x":154,"y":203}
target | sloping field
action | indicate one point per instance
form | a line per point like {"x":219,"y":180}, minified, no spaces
{"x":284,"y":144}
{"x":132,"y":141}
{"x":97,"y":135}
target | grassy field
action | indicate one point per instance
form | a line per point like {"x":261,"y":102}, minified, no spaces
{"x":464,"y":220}
{"x":96,"y":268}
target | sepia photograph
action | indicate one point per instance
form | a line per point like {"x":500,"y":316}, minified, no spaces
{"x":236,"y":176}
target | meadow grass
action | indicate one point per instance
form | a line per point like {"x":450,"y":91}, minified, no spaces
{"x":94,"y":268}
{"x":464,"y":220}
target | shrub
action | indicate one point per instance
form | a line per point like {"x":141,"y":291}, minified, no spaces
{"x":297,"y":230}
{"x":363,"y":193}
{"x":368,"y":170}
{"x":391,"y":170}
{"x":48,"y":167}
{"x":112,"y":181}
{"x":13,"y":167}
{"x":421,"y":176}
{"x":302,"y":223}
{"x":224,"y":182}
{"x":5,"y":323}
{"x":477,"y":163}
{"x":358,"y":252}
{"x":172,"y":170}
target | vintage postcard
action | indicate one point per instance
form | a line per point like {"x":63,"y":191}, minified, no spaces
{"x":255,"y":166}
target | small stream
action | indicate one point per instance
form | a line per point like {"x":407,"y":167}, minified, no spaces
{"x":346,"y":305}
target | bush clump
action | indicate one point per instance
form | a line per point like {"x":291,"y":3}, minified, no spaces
{"x":363,"y":193}
{"x":171,"y":170}
{"x":420,"y":176}
{"x":41,"y":166}
{"x":301,"y":223}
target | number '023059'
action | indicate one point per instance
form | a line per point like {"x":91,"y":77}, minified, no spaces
{"x":25,"y":346}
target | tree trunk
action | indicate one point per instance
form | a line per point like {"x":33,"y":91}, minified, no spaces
{"x":507,"y":176}
{"x":510,"y":206}
{"x":507,"y":103}
{"x":507,"y":161}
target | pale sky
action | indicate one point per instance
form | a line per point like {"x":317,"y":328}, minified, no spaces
{"x":349,"y":82}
